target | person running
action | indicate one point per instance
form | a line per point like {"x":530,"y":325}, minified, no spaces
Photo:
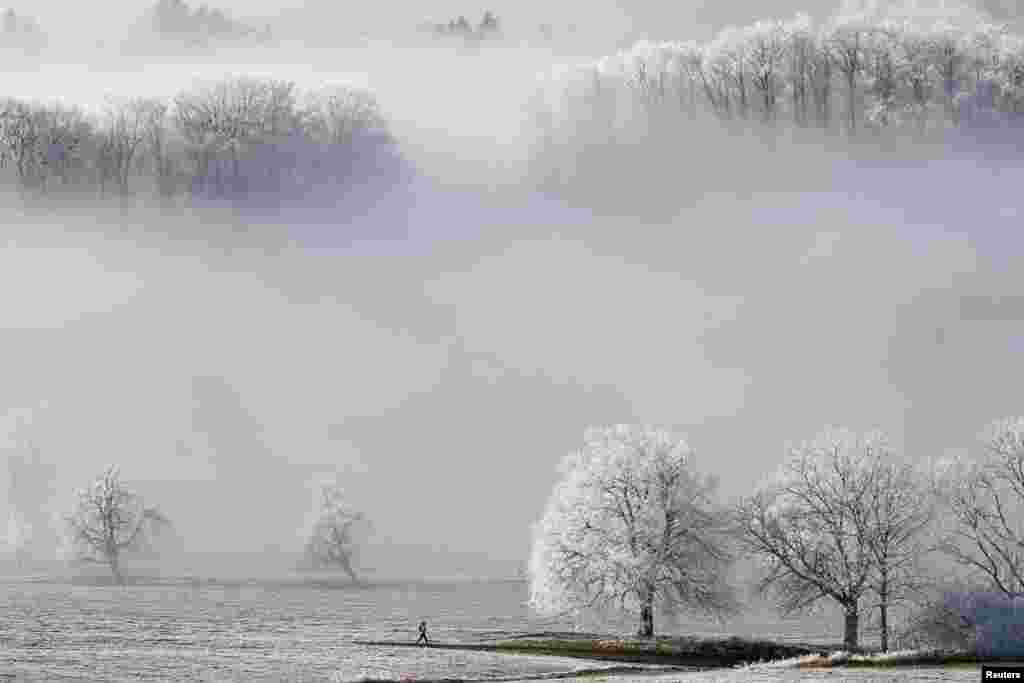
{"x":423,"y":635}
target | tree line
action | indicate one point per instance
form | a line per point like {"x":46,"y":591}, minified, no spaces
{"x":632,"y":525}
{"x":854,"y":74}
{"x":230,"y":139}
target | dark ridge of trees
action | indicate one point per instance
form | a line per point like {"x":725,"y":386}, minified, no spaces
{"x":488,"y":27}
{"x":174,"y":19}
{"x":1011,"y":11}
{"x":240,"y":141}
{"x":20,"y":31}
{"x":14,"y":23}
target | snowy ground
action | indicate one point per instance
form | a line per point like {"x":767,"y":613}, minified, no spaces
{"x":891,"y":675}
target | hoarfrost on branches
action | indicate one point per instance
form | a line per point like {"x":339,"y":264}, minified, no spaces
{"x":631,"y":524}
{"x":840,"y":521}
{"x":333,"y":540}
{"x":985,"y":495}
{"x":110,"y":520}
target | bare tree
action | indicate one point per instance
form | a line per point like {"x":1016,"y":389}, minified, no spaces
{"x":128,"y":128}
{"x":913,"y":70}
{"x":730,"y":64}
{"x":799,"y":51}
{"x":984,"y":497}
{"x":156,"y":139}
{"x":820,"y":72}
{"x":110,"y":520}
{"x":767,"y":55}
{"x":20,"y":133}
{"x":41,"y":141}
{"x":333,"y":115}
{"x":949,"y":57}
{"x":333,"y":539}
{"x":900,"y":510}
{"x":881,"y":69}
{"x":848,"y":45}
{"x":228,"y":118}
{"x":813,"y":526}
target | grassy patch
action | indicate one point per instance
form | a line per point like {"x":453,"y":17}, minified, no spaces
{"x":696,"y":652}
{"x":665,"y":650}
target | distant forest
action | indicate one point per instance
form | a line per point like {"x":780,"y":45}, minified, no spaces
{"x":20,"y":31}
{"x":174,"y":19}
{"x":240,"y":140}
{"x":488,"y":27}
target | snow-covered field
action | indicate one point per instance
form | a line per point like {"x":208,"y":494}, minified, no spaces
{"x":894,"y":675}
{"x":264,"y":631}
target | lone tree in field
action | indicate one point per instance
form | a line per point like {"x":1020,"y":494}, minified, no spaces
{"x":110,"y":520}
{"x":333,"y":539}
{"x":629,"y":525}
{"x":983,"y":497}
{"x":841,"y":522}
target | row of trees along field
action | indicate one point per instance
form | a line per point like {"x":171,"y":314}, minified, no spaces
{"x":856,"y":73}
{"x":111,"y":522}
{"x":231,"y":139}
{"x":632,"y":525}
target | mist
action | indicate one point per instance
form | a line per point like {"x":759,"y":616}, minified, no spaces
{"x":443,"y":343}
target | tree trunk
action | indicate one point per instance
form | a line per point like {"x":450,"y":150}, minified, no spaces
{"x":647,"y":616}
{"x":851,"y":627}
{"x":852,"y":89}
{"x":115,"y":568}
{"x":347,"y":566}
{"x":885,"y":625}
{"x":883,"y":609}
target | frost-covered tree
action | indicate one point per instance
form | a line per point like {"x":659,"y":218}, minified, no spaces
{"x":880,"y":69}
{"x":631,"y":525}
{"x":334,"y":115}
{"x":728,"y":54}
{"x":815,"y":525}
{"x":848,"y":43}
{"x":900,"y":512}
{"x":983,"y":496}
{"x":799,"y":52}
{"x":110,"y":520}
{"x":126,"y":128}
{"x":767,"y":40}
{"x":223,"y":121}
{"x":334,"y":538}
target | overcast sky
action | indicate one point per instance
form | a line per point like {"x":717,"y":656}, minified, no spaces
{"x":446,"y":370}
